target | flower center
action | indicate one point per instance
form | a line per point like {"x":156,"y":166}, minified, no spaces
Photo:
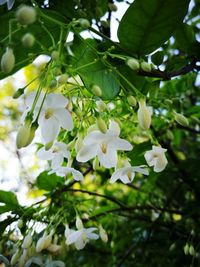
{"x":56,"y":150}
{"x":129,"y":175}
{"x":48,"y":113}
{"x":104,"y":148}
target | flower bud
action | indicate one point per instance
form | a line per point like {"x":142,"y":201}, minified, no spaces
{"x":23,"y":136}
{"x":96,"y":90}
{"x":55,"y":55}
{"x":112,"y":7}
{"x":26,"y":15}
{"x":20,"y":223}
{"x":145,"y":66}
{"x":84,"y":23}
{"x":168,"y":102}
{"x":44,"y":242}
{"x":101,"y":125}
{"x":79,"y":223}
{"x":95,"y":164}
{"x":28,"y":40}
{"x":132,"y":101}
{"x":144,"y":115}
{"x":63,"y":78}
{"x":15,"y":257}
{"x":7,"y":61}
{"x":186,"y":249}
{"x":101,"y":106}
{"x":103,"y":235}
{"x":181,"y":119}
{"x":133,"y":63}
{"x":18,"y":93}
{"x":191,"y":250}
{"x":27,"y":241}
{"x":53,"y":83}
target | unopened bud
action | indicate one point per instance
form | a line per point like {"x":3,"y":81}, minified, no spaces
{"x":112,"y":7}
{"x":27,"y":241}
{"x":15,"y":257}
{"x":20,"y":223}
{"x":43,"y":242}
{"x":170,"y":135}
{"x":145,"y":66}
{"x":186,"y":249}
{"x":53,"y":83}
{"x":103,"y":235}
{"x":133,"y":63}
{"x":191,"y":250}
{"x":28,"y":40}
{"x":79,"y":223}
{"x":101,"y":106}
{"x":55,"y":55}
{"x":132,"y":101}
{"x":23,"y":136}
{"x":181,"y":119}
{"x":95,"y":164}
{"x":18,"y":93}
{"x":101,"y":125}
{"x":144,"y":115}
{"x":71,"y":144}
{"x":84,"y":23}
{"x":63,"y":78}
{"x":168,"y":102}
{"x":7,"y":61}
{"x":96,"y":90}
{"x":26,"y":15}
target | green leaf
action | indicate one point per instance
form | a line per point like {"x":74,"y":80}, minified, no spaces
{"x":8,"y":201}
{"x":48,"y":182}
{"x":146,"y":24}
{"x":137,"y":154}
{"x":93,"y":71}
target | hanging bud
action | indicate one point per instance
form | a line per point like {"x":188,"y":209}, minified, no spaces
{"x":55,"y":55}
{"x":15,"y":257}
{"x":101,"y":125}
{"x":27,"y":241}
{"x":44,"y":242}
{"x":18,"y":93}
{"x":23,"y":136}
{"x":186,"y":249}
{"x":53,"y":83}
{"x":101,"y":106}
{"x":103,"y":235}
{"x":63,"y":78}
{"x":79,"y":223}
{"x":168,"y":102}
{"x":26,"y":15}
{"x":20,"y":223}
{"x":145,"y":66}
{"x":144,"y":115}
{"x":181,"y":119}
{"x":96,"y":90}
{"x":95,"y":164}
{"x":28,"y":40}
{"x":112,"y":7}
{"x":132,"y":101}
{"x":133,"y":63}
{"x":84,"y":23}
{"x":170,"y":135}
{"x":191,"y":250}
{"x":7,"y":61}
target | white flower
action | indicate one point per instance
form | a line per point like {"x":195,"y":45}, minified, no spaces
{"x":56,"y":154}
{"x":127,"y":173}
{"x":10,"y":3}
{"x":156,"y":157}
{"x":53,"y":116}
{"x":63,"y":171}
{"x":80,"y":237}
{"x":104,"y":146}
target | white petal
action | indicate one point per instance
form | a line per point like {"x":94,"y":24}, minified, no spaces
{"x":78,"y":176}
{"x":45,"y":154}
{"x":90,"y":234}
{"x":160,"y":164}
{"x":2,"y":2}
{"x":140,"y":170}
{"x":73,"y":237}
{"x":10,"y":4}
{"x":86,"y":153}
{"x":120,"y":144}
{"x":63,"y":149}
{"x":49,"y":129}
{"x":64,"y":118}
{"x":108,"y":159}
{"x":94,"y":137}
{"x":127,"y":180}
{"x":57,"y":161}
{"x":56,"y":101}
{"x":80,"y":243}
{"x":150,"y":159}
{"x":116,"y":175}
{"x":114,"y":128}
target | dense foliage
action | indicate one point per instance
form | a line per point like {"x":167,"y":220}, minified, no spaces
{"x":119,"y":124}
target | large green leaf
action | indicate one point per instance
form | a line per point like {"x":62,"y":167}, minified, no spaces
{"x":8,"y":201}
{"x":146,"y":24}
{"x":95,"y":72}
{"x":48,"y":182}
